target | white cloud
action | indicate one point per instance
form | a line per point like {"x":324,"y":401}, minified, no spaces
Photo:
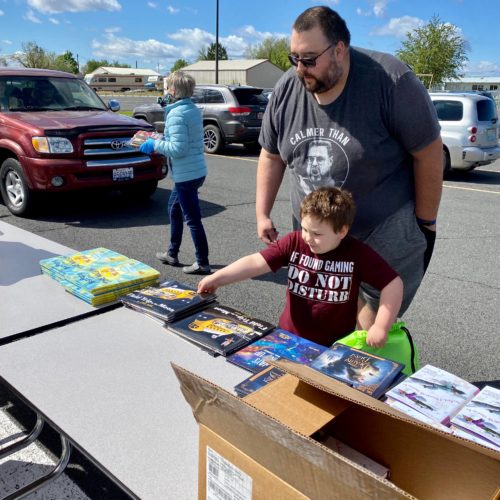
{"x":153,"y":5}
{"x":172,"y":10}
{"x":399,"y":26}
{"x":58,"y":6}
{"x":30,"y":16}
{"x":377,"y":9}
{"x":2,"y":13}
{"x":122,"y":48}
{"x":112,"y":29}
{"x":483,"y":68}
{"x":53,"y":20}
{"x":7,"y":42}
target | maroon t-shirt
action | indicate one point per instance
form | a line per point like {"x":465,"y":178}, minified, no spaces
{"x":322,"y":295}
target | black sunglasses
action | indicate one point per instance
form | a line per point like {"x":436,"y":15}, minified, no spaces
{"x":308,"y":62}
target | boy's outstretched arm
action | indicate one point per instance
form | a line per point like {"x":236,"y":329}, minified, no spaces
{"x":245,"y":268}
{"x":391,"y":298}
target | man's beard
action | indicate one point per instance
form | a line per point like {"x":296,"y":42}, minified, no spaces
{"x":320,"y":85}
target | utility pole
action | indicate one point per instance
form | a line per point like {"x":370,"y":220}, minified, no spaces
{"x":217,"y":42}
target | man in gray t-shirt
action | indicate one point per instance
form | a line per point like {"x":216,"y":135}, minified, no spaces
{"x":360,"y":120}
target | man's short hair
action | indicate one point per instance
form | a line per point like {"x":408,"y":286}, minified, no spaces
{"x":183,"y":83}
{"x":331,"y":204}
{"x":331,"y":24}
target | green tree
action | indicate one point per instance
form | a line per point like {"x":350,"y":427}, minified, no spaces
{"x":66,"y":62}
{"x":180,"y":63}
{"x":274,"y":49}
{"x":33,"y":56}
{"x":208,"y":53}
{"x":436,"y":48}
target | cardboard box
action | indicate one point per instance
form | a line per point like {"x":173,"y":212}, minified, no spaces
{"x":270,"y":444}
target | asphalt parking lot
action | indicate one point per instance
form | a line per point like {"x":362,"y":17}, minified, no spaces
{"x":453,"y":318}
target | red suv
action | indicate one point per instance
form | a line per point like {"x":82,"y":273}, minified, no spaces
{"x":56,"y":134}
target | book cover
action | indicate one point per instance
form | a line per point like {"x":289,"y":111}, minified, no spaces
{"x":464,"y":434}
{"x":277,"y":344}
{"x":170,"y":301}
{"x":363,"y":371}
{"x":142,"y":136}
{"x":98,"y":270}
{"x":257,"y":380}
{"x":434,"y":392}
{"x":221,"y":329}
{"x":481,"y":416}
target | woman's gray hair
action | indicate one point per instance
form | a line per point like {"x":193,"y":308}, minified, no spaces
{"x":182,"y":83}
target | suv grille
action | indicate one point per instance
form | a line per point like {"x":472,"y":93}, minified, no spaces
{"x":111,"y":152}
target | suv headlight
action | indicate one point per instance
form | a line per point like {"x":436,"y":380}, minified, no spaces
{"x":52,"y":145}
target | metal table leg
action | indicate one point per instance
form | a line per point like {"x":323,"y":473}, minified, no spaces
{"x":26,"y":440}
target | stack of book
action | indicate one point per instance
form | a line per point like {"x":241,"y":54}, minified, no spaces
{"x":168,"y":302}
{"x":363,"y":371}
{"x":220,"y":329}
{"x":142,"y":136}
{"x":99,"y":275}
{"x":278,"y":344}
{"x":447,"y":402}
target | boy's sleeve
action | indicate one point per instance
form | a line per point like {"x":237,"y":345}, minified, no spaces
{"x":375,"y":270}
{"x":277,"y":254}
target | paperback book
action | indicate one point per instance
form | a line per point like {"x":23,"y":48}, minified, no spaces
{"x":277,"y":344}
{"x":363,"y":371}
{"x":434,"y":392}
{"x":220,"y":329}
{"x":170,"y":301}
{"x":142,"y":136}
{"x":258,"y":380}
{"x":480,"y":417}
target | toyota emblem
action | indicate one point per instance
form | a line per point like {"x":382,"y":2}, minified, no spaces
{"x":117,"y":144}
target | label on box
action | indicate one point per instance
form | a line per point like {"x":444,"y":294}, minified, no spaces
{"x":224,"y":480}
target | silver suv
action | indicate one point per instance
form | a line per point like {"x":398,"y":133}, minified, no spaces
{"x":469,"y":129}
{"x":231,"y":114}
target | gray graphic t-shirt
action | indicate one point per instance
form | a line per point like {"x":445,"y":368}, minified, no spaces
{"x":360,"y":142}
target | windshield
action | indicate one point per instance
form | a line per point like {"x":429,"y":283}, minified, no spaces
{"x":30,"y":93}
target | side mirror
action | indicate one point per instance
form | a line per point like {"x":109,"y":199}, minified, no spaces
{"x":114,"y":105}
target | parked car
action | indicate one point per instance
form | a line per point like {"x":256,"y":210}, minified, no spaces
{"x":469,"y":129}
{"x":231,"y":114}
{"x":56,"y":134}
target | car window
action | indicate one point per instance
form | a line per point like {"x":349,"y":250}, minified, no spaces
{"x":214,"y":96}
{"x":250,"y":96}
{"x":486,"y":110}
{"x":197,"y":95}
{"x":449,"y":110}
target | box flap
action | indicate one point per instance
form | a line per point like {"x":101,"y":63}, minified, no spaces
{"x":300,"y":461}
{"x":297,"y":404}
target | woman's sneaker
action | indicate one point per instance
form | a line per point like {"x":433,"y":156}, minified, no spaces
{"x":197,"y":269}
{"x":167,"y":259}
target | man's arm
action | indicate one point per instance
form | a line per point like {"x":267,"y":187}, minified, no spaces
{"x":428,"y":173}
{"x":270,"y":171}
{"x":245,"y":268}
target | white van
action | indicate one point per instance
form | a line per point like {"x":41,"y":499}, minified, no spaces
{"x":469,"y":129}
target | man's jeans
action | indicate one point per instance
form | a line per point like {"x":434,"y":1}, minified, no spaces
{"x":184,"y":204}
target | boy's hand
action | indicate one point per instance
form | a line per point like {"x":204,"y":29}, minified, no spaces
{"x":377,"y":336}
{"x":207,"y":285}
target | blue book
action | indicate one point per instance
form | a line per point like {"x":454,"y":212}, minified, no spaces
{"x":363,"y":371}
{"x":277,"y":344}
{"x":258,"y":380}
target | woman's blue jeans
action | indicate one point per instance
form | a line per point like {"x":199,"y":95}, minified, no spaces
{"x":184,"y":204}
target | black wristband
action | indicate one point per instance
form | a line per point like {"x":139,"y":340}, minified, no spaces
{"x":425,"y":222}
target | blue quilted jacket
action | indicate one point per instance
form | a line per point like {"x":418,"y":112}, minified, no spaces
{"x":183,"y":141}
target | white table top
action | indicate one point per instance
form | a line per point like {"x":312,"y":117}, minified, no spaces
{"x":106,"y":382}
{"x":27,"y":298}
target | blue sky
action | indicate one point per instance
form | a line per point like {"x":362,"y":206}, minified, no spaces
{"x":155,"y":33}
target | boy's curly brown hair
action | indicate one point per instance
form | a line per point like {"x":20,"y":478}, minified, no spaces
{"x":333,"y":205}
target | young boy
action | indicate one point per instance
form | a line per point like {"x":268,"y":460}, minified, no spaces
{"x":325,"y":268}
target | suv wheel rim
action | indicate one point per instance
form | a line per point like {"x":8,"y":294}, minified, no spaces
{"x":14,"y":188}
{"x":210,"y":140}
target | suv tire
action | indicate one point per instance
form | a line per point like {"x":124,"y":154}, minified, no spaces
{"x":16,"y":194}
{"x":446,"y":163}
{"x":212,"y":139}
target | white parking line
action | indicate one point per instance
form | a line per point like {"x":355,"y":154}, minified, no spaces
{"x":471,"y":189}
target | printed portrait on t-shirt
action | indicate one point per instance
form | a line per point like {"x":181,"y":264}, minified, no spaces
{"x":319,"y":162}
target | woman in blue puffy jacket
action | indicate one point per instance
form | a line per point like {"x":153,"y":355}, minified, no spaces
{"x":183,"y":145}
